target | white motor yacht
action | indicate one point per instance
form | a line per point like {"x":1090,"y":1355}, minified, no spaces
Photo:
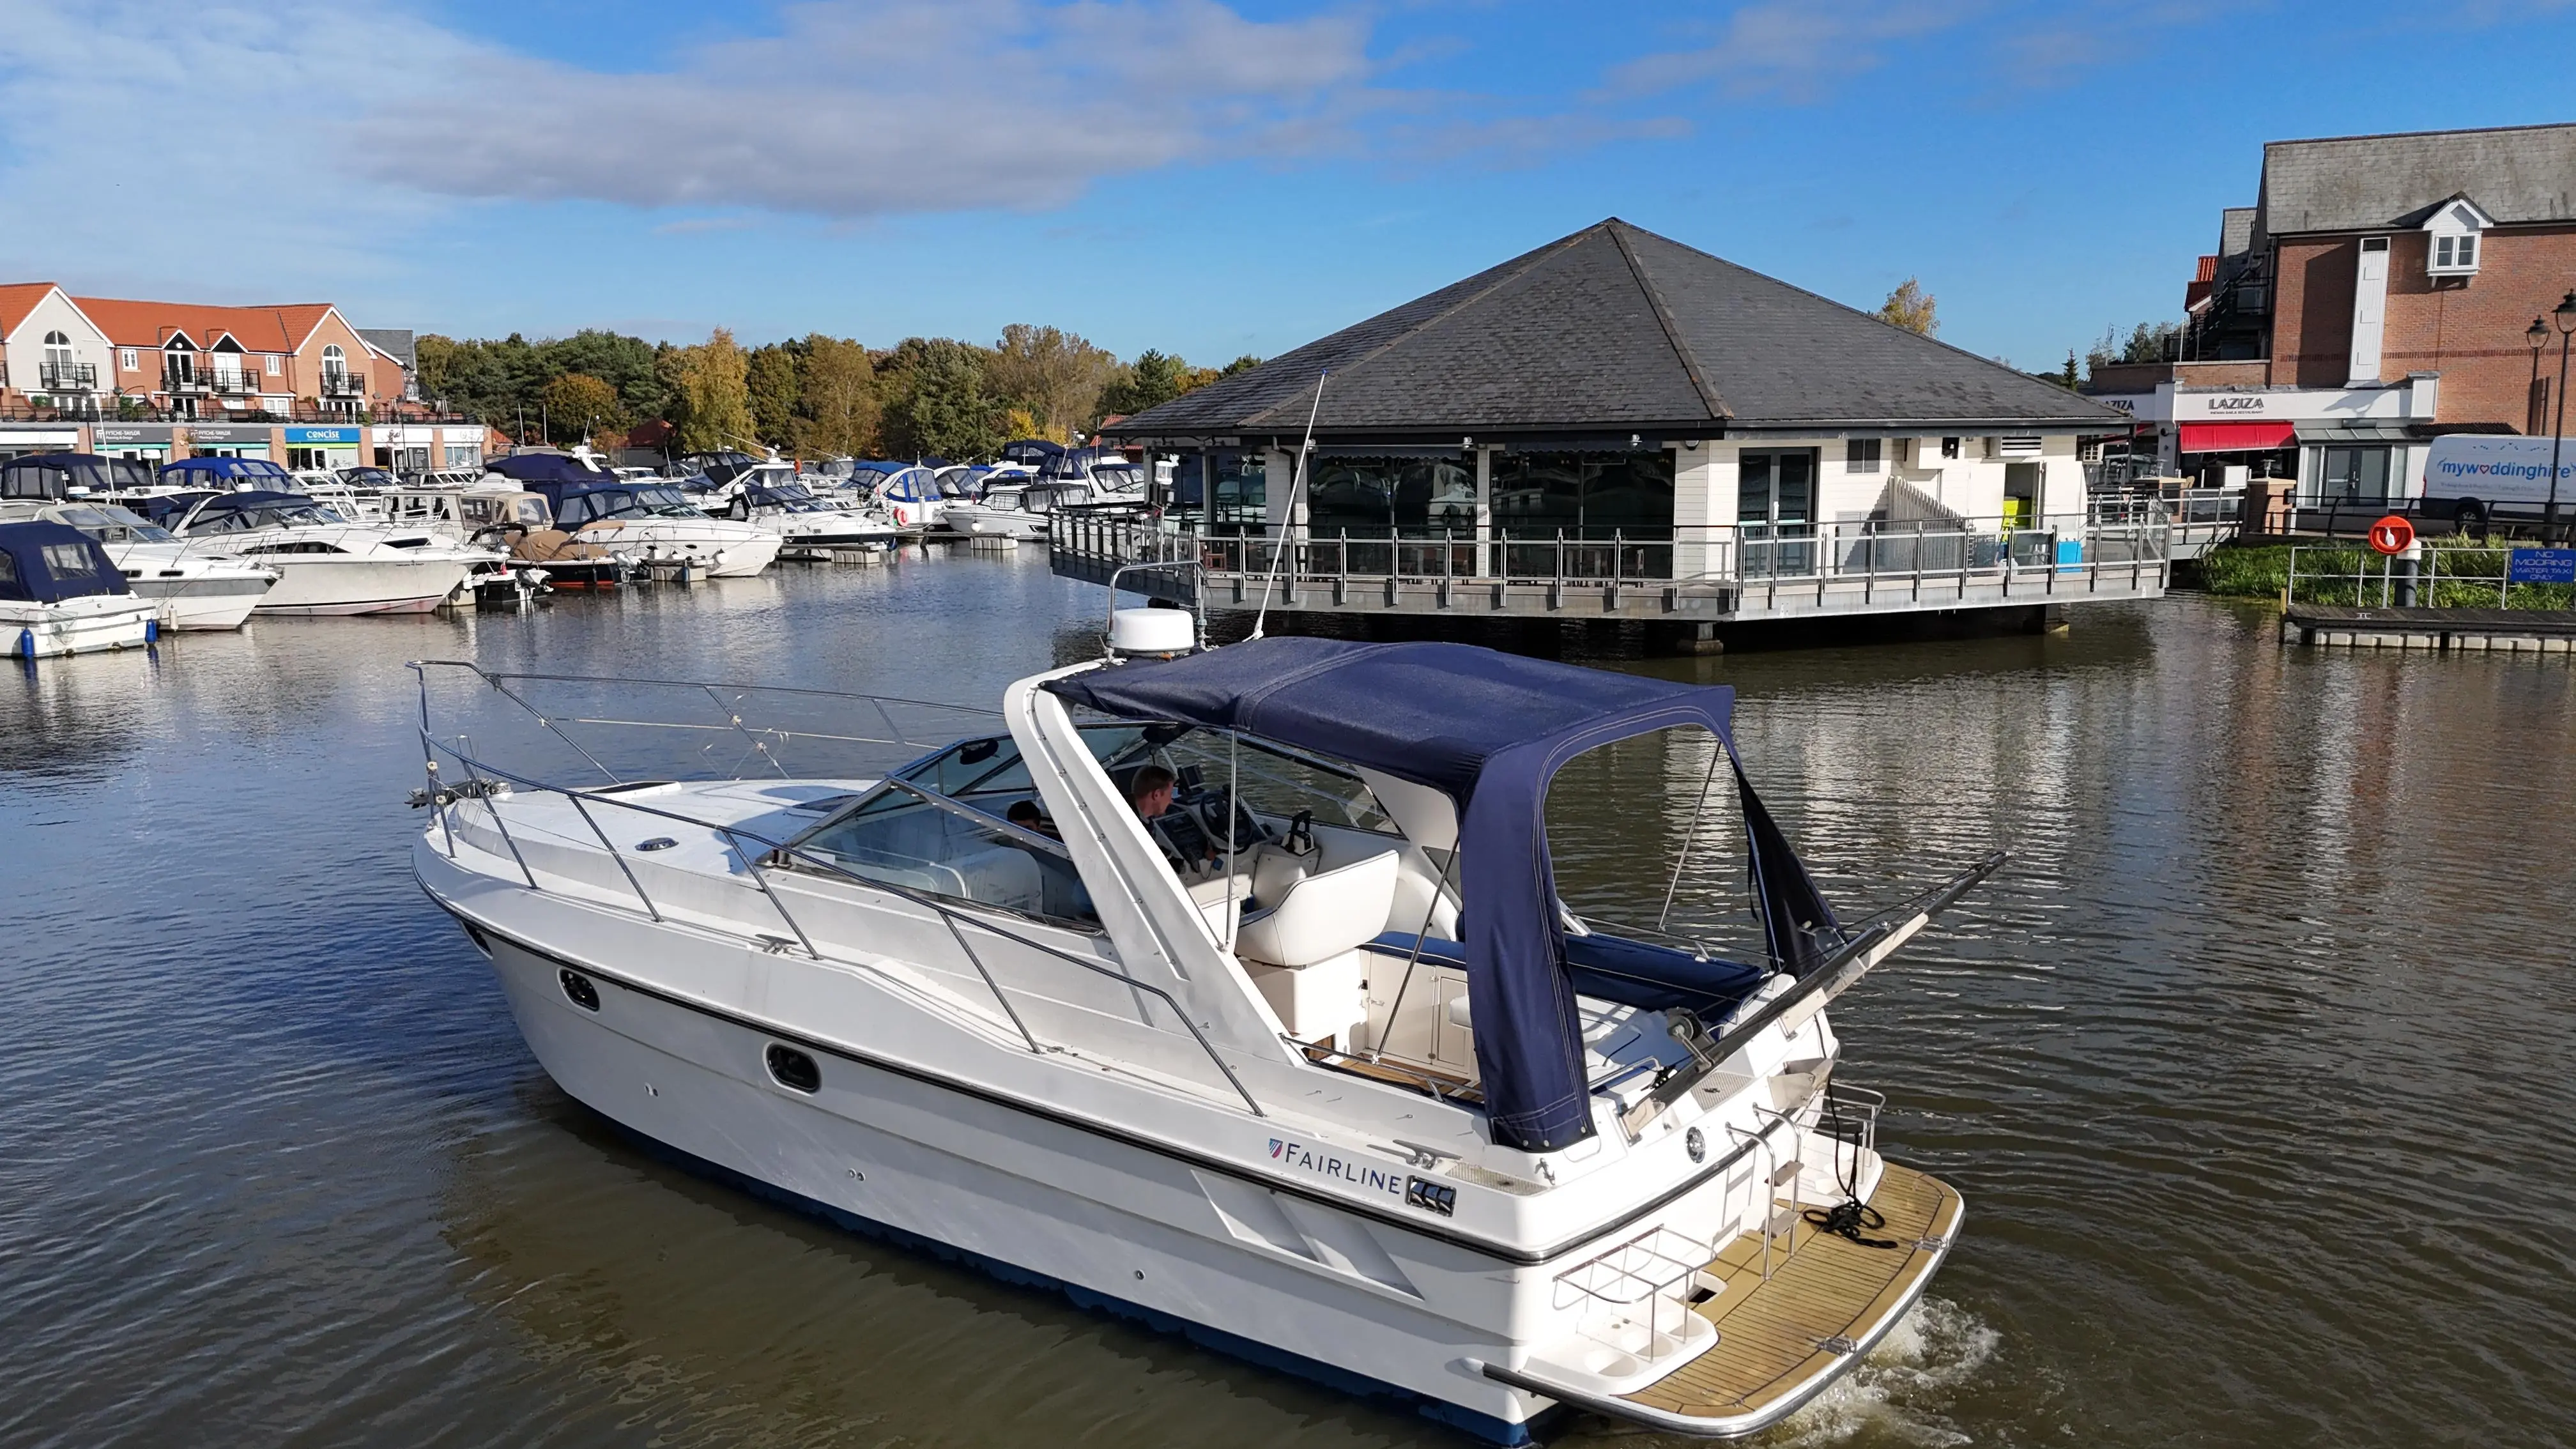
{"x":773,"y":496}
{"x":1298,"y":1053}
{"x":189,"y":591}
{"x":327,"y":565}
{"x":59,"y":594}
{"x":654,"y":522}
{"x":1015,"y":510}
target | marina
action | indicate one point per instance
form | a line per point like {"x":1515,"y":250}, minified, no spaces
{"x":2028,"y":1049}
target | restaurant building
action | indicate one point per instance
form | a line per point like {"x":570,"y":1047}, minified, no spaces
{"x":1616,"y":407}
{"x":2375,"y":296}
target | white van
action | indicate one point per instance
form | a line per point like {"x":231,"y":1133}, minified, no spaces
{"x":2473,"y":477}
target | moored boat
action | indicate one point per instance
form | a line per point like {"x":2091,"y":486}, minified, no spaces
{"x":326,"y":565}
{"x":59,"y":595}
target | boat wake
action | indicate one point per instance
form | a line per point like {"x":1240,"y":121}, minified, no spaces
{"x":1897,"y":1394}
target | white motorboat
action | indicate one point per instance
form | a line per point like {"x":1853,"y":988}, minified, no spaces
{"x":187,"y":590}
{"x":654,"y":522}
{"x":59,"y":594}
{"x":773,"y":496}
{"x":906,"y":493}
{"x":326,"y":565}
{"x":1015,"y":510}
{"x":1314,"y":1065}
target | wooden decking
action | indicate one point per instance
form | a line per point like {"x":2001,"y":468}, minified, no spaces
{"x":1823,"y":1299}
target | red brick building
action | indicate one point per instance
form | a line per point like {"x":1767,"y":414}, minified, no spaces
{"x":2375,"y":296}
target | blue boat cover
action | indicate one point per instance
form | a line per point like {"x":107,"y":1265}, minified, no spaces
{"x":44,"y":563}
{"x":1490,"y":730}
{"x":198,"y":472}
{"x":549,"y":468}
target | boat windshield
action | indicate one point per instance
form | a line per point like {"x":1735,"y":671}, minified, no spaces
{"x":296,"y":514}
{"x":110,"y":524}
{"x":665,"y":501}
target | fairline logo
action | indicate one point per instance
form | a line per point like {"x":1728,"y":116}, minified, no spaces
{"x":1337,"y":1167}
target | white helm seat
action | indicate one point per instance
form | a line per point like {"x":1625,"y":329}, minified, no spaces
{"x":1322,"y":915}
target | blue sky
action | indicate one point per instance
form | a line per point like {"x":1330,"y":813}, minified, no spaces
{"x":1204,"y":177}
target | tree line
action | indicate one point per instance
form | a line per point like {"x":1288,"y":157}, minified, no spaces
{"x":812,"y":396}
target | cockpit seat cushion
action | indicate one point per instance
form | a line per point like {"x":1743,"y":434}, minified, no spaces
{"x":1322,"y":915}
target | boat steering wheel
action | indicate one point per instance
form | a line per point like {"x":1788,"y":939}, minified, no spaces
{"x":1212,"y":807}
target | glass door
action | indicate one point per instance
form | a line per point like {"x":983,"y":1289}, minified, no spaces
{"x":1775,"y":512}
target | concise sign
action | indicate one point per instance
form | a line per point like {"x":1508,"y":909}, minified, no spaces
{"x":323,"y":437}
{"x":2390,"y":535}
{"x":2541,"y":566}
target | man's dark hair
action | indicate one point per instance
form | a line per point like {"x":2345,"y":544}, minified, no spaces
{"x":1148,"y":780}
{"x":1023,"y":812}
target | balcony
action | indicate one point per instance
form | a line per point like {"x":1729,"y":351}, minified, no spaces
{"x":344,"y":384}
{"x":68,"y":376}
{"x":185,"y":381}
{"x":235,"y":384}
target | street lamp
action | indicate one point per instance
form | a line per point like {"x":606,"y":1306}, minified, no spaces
{"x":2536,"y":408}
{"x":2565,"y":314}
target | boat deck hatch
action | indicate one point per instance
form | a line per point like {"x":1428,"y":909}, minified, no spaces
{"x":1824,"y":1299}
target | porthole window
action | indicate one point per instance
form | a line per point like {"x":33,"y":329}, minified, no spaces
{"x":793,"y":1069}
{"x":578,"y":990}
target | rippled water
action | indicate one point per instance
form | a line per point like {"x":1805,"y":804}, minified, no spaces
{"x":2251,"y":1064}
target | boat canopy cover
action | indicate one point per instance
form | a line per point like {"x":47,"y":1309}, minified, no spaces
{"x":199,"y":472}
{"x":549,"y":468}
{"x":1490,"y":730}
{"x":43,"y":563}
{"x":52,"y":475}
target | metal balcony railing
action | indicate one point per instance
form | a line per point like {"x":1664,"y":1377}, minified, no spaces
{"x":68,"y":376}
{"x":184,"y":380}
{"x":236,"y":384}
{"x":344,"y":384}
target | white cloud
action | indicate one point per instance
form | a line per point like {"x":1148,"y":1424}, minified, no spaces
{"x":1795,"y":49}
{"x":871,"y":107}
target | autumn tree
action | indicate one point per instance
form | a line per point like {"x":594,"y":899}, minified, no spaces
{"x":578,"y":405}
{"x":1055,"y":376}
{"x":711,"y":394}
{"x":1911,"y":308}
{"x":942,"y":407}
{"x":774,"y":381}
{"x":1152,"y":379}
{"x":837,"y":404}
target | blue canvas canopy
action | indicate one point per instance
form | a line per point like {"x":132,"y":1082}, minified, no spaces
{"x":221,"y":472}
{"x":549,"y":468}
{"x":45,"y":563}
{"x":54,"y":475}
{"x":1490,"y":730}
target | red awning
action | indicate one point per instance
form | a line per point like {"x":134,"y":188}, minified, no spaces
{"x":2237,"y":437}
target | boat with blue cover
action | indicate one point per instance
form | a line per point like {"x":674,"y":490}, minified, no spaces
{"x":1226,"y":988}
{"x":61,"y":594}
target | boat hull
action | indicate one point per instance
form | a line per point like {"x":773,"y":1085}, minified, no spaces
{"x":329,"y":584}
{"x":220,"y":602}
{"x":75,"y":626}
{"x":1033,"y":1200}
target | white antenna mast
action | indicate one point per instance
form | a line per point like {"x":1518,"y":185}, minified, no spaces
{"x":1296,"y":481}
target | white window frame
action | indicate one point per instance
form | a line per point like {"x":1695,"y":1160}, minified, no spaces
{"x":125,"y":359}
{"x":2454,"y":248}
{"x":272,"y":360}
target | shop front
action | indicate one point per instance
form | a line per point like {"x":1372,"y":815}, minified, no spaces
{"x":461,"y":447}
{"x":15,"y":441}
{"x":328,"y":448}
{"x":230,"y":440}
{"x":405,"y":449}
{"x":145,"y":443}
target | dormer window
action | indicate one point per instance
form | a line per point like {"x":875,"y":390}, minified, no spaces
{"x":2453,"y":246}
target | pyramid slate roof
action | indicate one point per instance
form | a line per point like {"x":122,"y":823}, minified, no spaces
{"x":1615,"y":330}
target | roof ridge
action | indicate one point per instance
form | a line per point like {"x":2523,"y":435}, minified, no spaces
{"x":2413,"y":135}
{"x":1717,"y":408}
{"x":1527,"y":260}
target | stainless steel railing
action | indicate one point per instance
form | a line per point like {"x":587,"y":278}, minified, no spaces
{"x":490,"y":784}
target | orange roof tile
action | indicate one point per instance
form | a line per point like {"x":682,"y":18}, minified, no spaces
{"x":257,"y":329}
{"x":17,"y":299}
